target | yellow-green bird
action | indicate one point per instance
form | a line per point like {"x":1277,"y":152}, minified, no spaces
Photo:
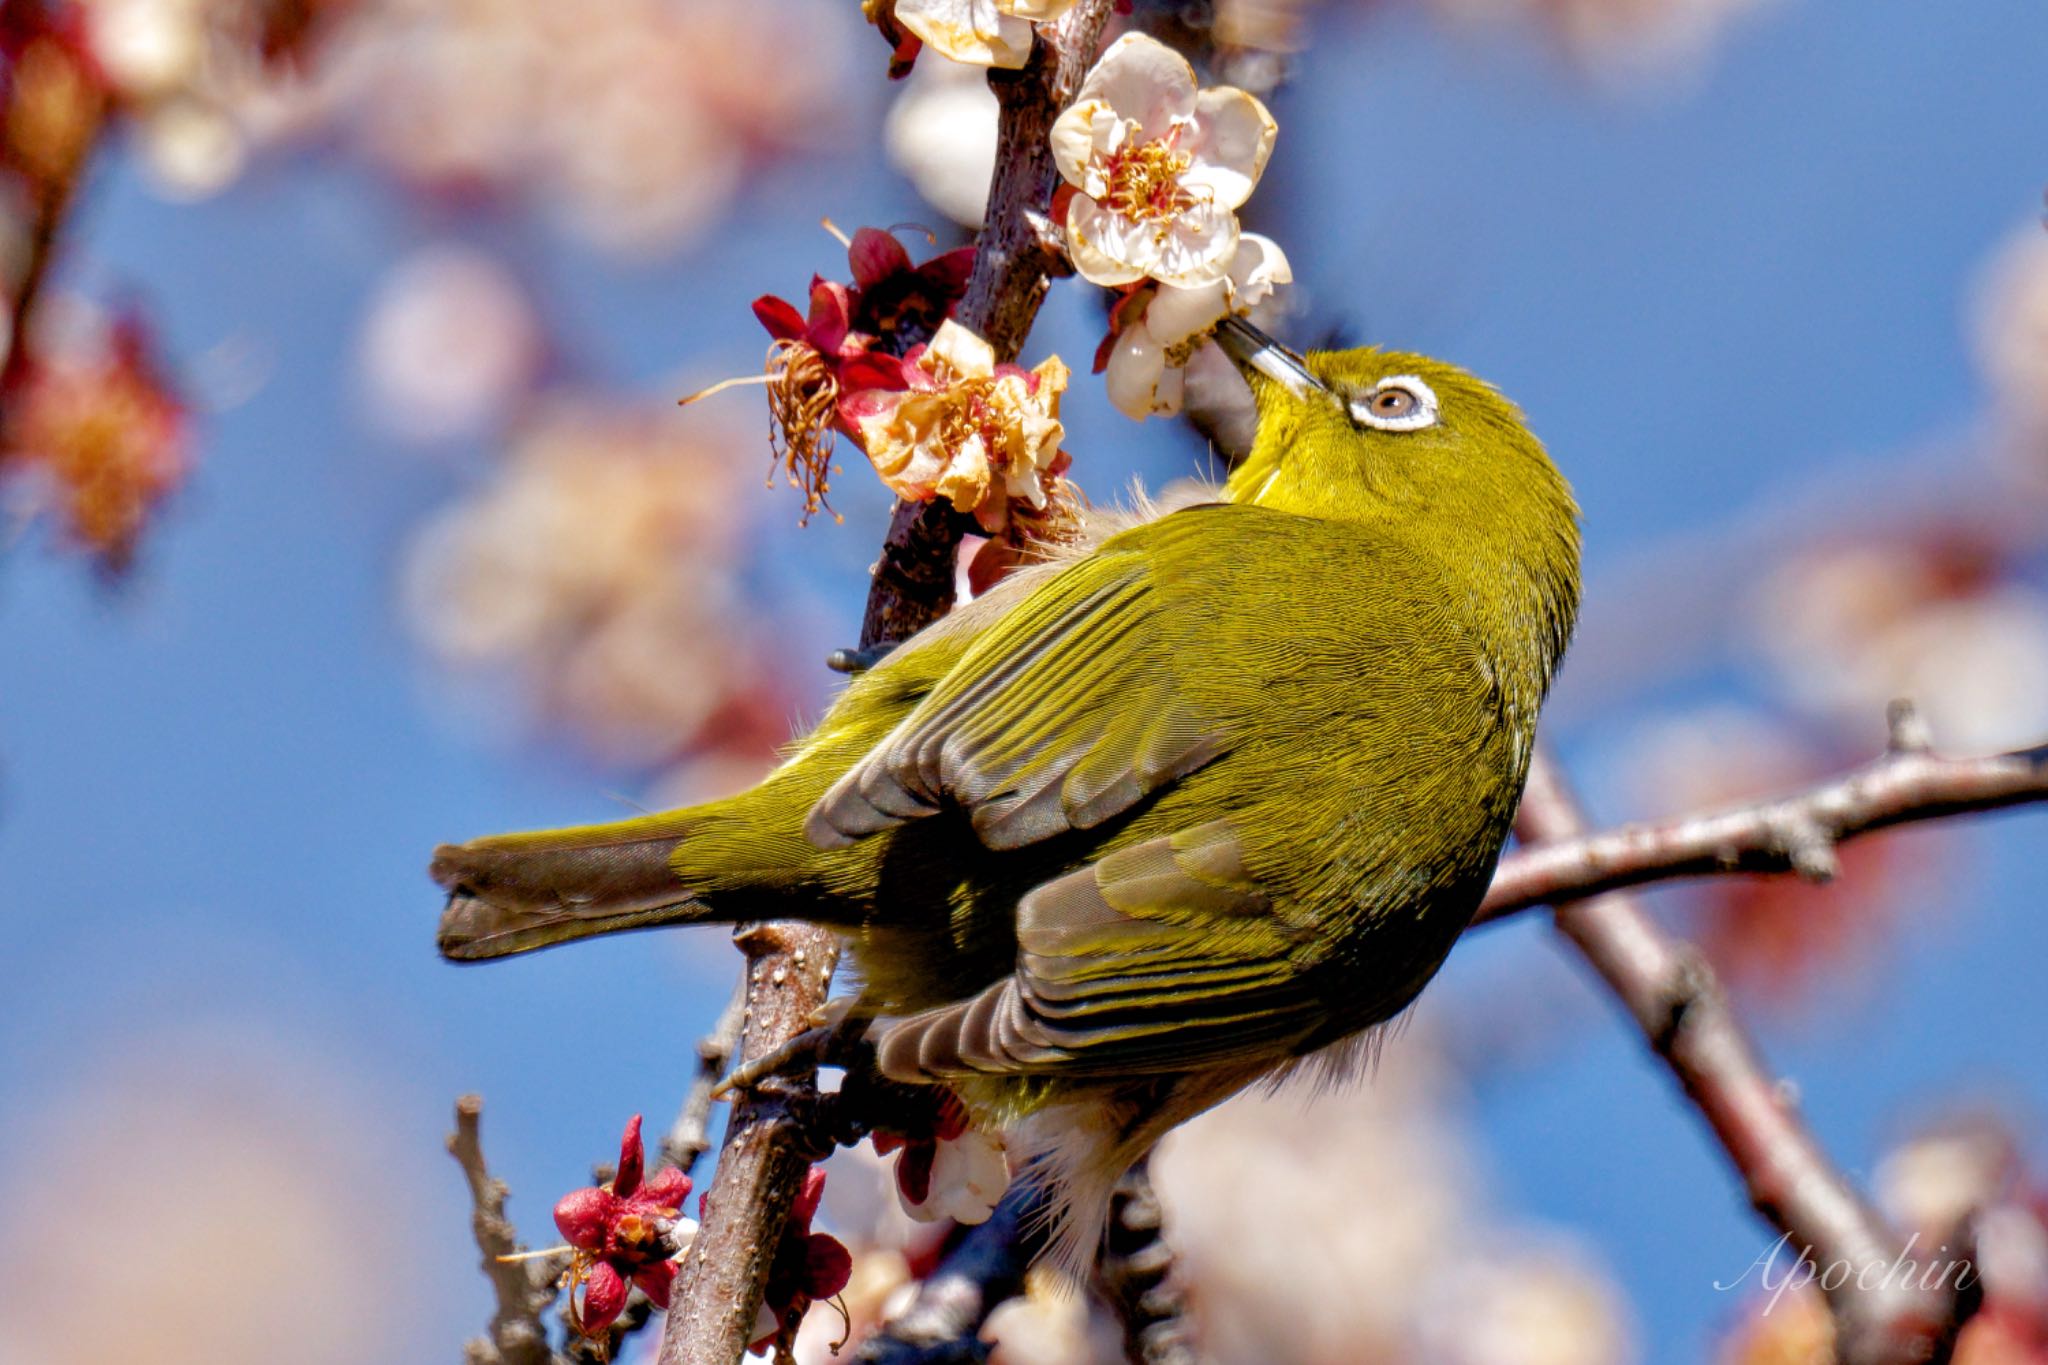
{"x":1145,"y":825}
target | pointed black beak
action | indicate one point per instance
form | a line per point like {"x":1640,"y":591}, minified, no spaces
{"x":1256,"y":353}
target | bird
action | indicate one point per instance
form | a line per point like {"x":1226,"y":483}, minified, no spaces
{"x":1199,"y":804}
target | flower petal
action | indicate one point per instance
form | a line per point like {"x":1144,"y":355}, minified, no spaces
{"x":967,"y":355}
{"x":1256,"y":270}
{"x":808,"y":1198}
{"x":875,"y":255}
{"x":1232,"y":140}
{"x":630,"y":1159}
{"x":663,"y":1192}
{"x":780,"y":317}
{"x":971,"y":31}
{"x":969,"y":1176}
{"x":1073,"y":140}
{"x":1198,"y":249}
{"x":1143,"y":79}
{"x":584,"y":1217}
{"x":828,"y":1265}
{"x":1102,"y":245}
{"x":1136,"y":363}
{"x":604,"y":1298}
{"x":831,"y":316}
{"x":1177,"y":314}
{"x":1037,"y":11}
{"x":656,"y":1280}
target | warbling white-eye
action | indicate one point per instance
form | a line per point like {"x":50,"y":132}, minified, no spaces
{"x":1140,"y":827}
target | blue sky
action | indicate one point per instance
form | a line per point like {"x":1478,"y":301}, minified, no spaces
{"x":218,"y":787}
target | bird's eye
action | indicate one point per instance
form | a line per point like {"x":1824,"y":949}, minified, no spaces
{"x":1394,"y":403}
{"x":1399,"y":403}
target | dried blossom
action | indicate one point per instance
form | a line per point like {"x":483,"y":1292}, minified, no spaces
{"x":979,"y":434}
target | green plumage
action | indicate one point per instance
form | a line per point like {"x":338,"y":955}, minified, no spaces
{"x":1144,"y":825}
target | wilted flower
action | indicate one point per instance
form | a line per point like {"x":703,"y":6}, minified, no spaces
{"x":625,"y":1231}
{"x":1157,"y":167}
{"x":851,"y":341}
{"x":947,"y":1168}
{"x":99,"y":428}
{"x":979,"y":32}
{"x":1157,"y":328}
{"x":808,"y":1266}
{"x":969,"y":430}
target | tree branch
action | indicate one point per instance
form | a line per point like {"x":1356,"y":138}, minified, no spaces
{"x":718,"y":1294}
{"x":524,"y":1289}
{"x":1676,"y":1000}
{"x":1014,"y":260}
{"x":1794,"y":834}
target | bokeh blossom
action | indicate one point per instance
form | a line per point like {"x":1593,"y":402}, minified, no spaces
{"x":1157,"y":328}
{"x":624,"y":1232}
{"x":979,"y":434}
{"x":93,"y":434}
{"x":599,"y":573}
{"x":1157,"y":167}
{"x":979,"y":32}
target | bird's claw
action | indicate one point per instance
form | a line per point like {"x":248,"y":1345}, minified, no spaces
{"x":830,"y":1041}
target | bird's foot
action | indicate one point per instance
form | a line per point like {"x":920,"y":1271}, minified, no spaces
{"x":834,"y":1039}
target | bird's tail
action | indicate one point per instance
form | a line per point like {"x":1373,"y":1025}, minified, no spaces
{"x":517,"y":892}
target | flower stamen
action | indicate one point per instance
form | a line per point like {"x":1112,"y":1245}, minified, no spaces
{"x":803,"y":402}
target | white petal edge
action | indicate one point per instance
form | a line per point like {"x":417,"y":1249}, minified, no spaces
{"x":975,"y":32}
{"x":1098,"y":245}
{"x":1143,"y":79}
{"x":1233,"y":139}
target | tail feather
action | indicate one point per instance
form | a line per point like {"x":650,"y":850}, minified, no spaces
{"x":525,"y":891}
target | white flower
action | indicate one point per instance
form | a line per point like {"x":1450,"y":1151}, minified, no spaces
{"x":979,"y":32}
{"x":941,"y":133}
{"x":969,"y":1175}
{"x":1160,"y":167}
{"x":1145,"y":372}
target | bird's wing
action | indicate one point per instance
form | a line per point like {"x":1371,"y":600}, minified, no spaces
{"x":1059,"y":716}
{"x":1161,"y":957}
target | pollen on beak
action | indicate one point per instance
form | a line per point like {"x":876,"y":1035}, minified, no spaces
{"x":1256,"y":353}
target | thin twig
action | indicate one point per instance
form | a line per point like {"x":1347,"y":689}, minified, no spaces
{"x":689,"y":1137}
{"x":1676,"y":1000}
{"x":524,"y":1288}
{"x":1794,"y":834}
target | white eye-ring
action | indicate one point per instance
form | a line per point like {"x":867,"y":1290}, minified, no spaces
{"x":1400,"y":402}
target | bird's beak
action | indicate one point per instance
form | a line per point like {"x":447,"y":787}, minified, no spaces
{"x":1256,"y":353}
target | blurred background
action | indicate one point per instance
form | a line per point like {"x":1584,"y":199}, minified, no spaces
{"x":349,"y":510}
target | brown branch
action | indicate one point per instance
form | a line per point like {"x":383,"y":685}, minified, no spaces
{"x":767,"y":1148}
{"x":718,"y":1293}
{"x":1794,"y":834}
{"x":1013,"y":264}
{"x":1676,"y":1000}
{"x":524,"y":1289}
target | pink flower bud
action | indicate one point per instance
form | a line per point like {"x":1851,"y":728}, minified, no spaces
{"x":604,"y":1298}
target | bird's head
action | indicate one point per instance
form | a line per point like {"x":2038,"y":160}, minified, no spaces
{"x":1419,"y":447}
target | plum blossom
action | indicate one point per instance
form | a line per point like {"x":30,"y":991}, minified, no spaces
{"x":624,"y":1231}
{"x":948,"y":1169}
{"x":1157,"y":168}
{"x":979,"y":32}
{"x":851,"y":340}
{"x":967,"y":429}
{"x":1146,"y":355}
{"x":808,"y":1266}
